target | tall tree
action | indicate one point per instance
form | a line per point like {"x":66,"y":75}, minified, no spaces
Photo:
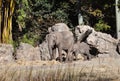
{"x":6,"y":13}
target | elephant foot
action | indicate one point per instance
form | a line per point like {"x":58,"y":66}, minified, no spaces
{"x":61,"y":60}
{"x":68,"y":61}
{"x":89,"y":58}
{"x":50,"y":59}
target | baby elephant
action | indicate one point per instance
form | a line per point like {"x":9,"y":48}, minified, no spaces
{"x":82,"y":48}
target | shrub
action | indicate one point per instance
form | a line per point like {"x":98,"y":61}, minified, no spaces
{"x":101,"y":26}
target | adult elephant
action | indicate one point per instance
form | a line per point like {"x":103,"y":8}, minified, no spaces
{"x":63,"y":40}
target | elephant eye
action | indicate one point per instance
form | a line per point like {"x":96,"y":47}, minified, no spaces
{"x":77,"y":28}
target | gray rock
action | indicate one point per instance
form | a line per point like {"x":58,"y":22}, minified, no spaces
{"x":6,"y":53}
{"x":27,"y":52}
{"x":103,"y":42}
{"x":80,"y":30}
{"x":44,"y":52}
{"x":103,"y":55}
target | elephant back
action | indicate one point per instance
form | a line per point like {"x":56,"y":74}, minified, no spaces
{"x":67,"y":34}
{"x":58,"y":27}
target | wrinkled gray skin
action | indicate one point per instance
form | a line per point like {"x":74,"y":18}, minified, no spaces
{"x":59,"y":27}
{"x":63,"y":40}
{"x":82,"y":48}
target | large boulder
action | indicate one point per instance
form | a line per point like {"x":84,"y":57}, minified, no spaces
{"x":81,"y":30}
{"x":104,"y":43}
{"x":27,"y":52}
{"x":6,"y":53}
{"x":44,"y":52}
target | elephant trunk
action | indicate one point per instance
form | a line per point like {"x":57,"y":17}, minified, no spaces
{"x":50,"y":51}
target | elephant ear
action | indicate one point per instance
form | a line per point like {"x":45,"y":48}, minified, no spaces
{"x":47,"y":37}
{"x":55,"y":37}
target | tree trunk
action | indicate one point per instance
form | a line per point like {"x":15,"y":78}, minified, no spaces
{"x":6,"y":12}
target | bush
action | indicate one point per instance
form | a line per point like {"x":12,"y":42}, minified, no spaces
{"x":35,"y":17}
{"x":101,"y":26}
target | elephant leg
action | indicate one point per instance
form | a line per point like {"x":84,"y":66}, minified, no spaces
{"x":69,"y":56}
{"x":88,"y":56}
{"x":60,"y":53}
{"x":75,"y":55}
{"x":54,"y":53}
{"x":50,"y":52}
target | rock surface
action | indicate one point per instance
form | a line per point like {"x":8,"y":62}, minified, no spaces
{"x":44,"y":52}
{"x":104,"y":43}
{"x":6,"y":53}
{"x":27,"y":52}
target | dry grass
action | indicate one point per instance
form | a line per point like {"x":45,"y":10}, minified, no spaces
{"x":95,"y":70}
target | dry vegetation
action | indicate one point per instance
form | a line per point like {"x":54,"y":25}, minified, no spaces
{"x":98,"y":69}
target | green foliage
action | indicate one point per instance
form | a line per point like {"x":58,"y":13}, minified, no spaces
{"x":21,"y":18}
{"x":34,"y":17}
{"x":22,"y":13}
{"x":101,"y":26}
{"x":60,"y":15}
{"x":28,"y":39}
{"x":100,"y":15}
{"x":96,"y":13}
